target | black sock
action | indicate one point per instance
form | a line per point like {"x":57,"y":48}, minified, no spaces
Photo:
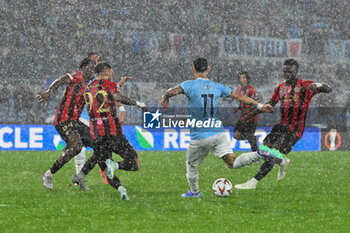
{"x":89,"y":165}
{"x":265,"y":169}
{"x":114,"y":182}
{"x":253,"y":143}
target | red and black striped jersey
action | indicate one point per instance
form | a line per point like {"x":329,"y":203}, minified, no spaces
{"x":295,"y":99}
{"x":72,"y":103}
{"x":246,"y":108}
{"x":101,"y":107}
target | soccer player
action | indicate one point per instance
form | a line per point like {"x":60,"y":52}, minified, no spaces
{"x":101,"y":96}
{"x":84,"y":118}
{"x":294,"y":95}
{"x":80,"y":158}
{"x":72,"y":131}
{"x":203,"y":96}
{"x":245,"y":129}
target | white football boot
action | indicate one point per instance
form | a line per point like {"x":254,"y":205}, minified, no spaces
{"x":251,"y":184}
{"x":283,"y":169}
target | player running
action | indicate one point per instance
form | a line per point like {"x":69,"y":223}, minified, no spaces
{"x":294,"y":95}
{"x":101,"y":96}
{"x":245,"y":128}
{"x":72,"y":131}
{"x":203,"y":96}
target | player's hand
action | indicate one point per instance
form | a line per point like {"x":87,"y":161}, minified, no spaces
{"x":43,"y":97}
{"x":122,"y":117}
{"x":123,"y":80}
{"x":165,"y":103}
{"x":267,"y":108}
{"x":326,"y":88}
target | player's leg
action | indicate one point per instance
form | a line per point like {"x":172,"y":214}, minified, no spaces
{"x":86,"y":138}
{"x":73,"y":147}
{"x":237,"y":131}
{"x":130,"y":160}
{"x":196,"y":153}
{"x":250,"y":134}
{"x":80,"y":160}
{"x":277,"y":143}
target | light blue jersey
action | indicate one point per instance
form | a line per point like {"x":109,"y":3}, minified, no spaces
{"x":203,"y":96}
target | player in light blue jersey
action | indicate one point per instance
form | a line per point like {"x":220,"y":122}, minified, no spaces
{"x":207,"y":132}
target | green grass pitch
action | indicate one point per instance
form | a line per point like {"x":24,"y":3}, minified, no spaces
{"x":314,"y":197}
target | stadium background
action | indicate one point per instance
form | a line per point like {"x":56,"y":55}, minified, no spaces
{"x":155,"y":42}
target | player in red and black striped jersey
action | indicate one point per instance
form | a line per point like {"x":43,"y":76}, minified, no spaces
{"x":101,"y":96}
{"x":245,"y":128}
{"x":73,"y":132}
{"x":294,"y":96}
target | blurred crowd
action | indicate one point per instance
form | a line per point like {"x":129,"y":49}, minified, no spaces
{"x":156,"y":41}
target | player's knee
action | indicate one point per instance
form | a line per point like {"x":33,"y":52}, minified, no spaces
{"x":229,"y":159}
{"x":237,"y":135}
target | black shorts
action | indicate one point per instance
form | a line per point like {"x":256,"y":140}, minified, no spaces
{"x":68,"y":128}
{"x":114,"y":143}
{"x":281,"y":139}
{"x":247,"y":129}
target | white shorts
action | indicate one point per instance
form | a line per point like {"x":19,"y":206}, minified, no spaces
{"x":199,"y":149}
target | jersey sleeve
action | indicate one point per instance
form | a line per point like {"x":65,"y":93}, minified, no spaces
{"x":307,"y":84}
{"x":225,"y":91}
{"x":75,"y":77}
{"x":113,"y":87}
{"x":275,"y":97}
{"x":186,"y":86}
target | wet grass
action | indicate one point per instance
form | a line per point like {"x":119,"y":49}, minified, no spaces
{"x":314,"y":197}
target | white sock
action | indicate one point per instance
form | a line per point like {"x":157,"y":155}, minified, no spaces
{"x":48,"y":173}
{"x":245,"y":159}
{"x":332,"y":135}
{"x":80,"y":160}
{"x":192,"y":177}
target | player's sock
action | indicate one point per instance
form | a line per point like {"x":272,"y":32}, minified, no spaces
{"x":192,"y":177}
{"x":80,"y":160}
{"x":265,"y":169}
{"x":245,"y":159}
{"x":90,"y":164}
{"x":253,"y":143}
{"x":114,"y":182}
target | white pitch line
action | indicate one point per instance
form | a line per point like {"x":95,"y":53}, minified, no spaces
{"x":4,"y":205}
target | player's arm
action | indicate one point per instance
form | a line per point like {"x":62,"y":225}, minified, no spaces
{"x":123,"y":80}
{"x":257,"y":111}
{"x":128,"y":101}
{"x":122,"y":112}
{"x":43,"y":97}
{"x":320,"y":88}
{"x":264,"y":107}
{"x":170,"y":93}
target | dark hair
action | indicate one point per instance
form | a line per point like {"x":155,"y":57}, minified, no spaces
{"x":102,"y":66}
{"x":200,"y":64}
{"x":291,"y":62}
{"x":86,"y":62}
{"x":92,"y":53}
{"x":246,"y":75}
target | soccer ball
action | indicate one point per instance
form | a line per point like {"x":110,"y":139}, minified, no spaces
{"x":222,"y":187}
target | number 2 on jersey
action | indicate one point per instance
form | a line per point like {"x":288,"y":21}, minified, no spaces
{"x":205,"y":97}
{"x":89,"y":100}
